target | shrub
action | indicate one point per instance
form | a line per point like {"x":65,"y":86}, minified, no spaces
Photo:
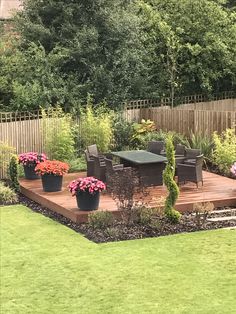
{"x":100,"y":220}
{"x":224,"y":153}
{"x":159,"y":136}
{"x":7,"y":195}
{"x":13,"y":173}
{"x":202,"y":142}
{"x":5,"y":155}
{"x":123,"y":132}
{"x":168,"y":176}
{"x":77,"y":164}
{"x":58,"y":135}
{"x":95,"y":128}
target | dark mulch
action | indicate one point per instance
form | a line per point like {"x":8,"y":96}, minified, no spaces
{"x":120,"y":231}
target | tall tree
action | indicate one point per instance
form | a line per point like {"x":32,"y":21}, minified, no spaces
{"x":100,"y":38}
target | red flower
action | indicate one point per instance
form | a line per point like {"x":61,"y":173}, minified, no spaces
{"x":55,"y":167}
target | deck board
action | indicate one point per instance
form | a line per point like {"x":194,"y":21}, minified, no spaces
{"x":217,"y":189}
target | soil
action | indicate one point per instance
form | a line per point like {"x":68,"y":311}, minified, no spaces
{"x":120,"y":231}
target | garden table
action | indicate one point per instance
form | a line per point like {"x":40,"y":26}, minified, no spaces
{"x":148,"y":165}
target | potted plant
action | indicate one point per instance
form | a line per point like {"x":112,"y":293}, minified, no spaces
{"x":52,"y":172}
{"x":87,"y":191}
{"x":29,"y":161}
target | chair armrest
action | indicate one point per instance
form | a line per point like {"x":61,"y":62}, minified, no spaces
{"x":117,"y":167}
{"x":185,"y":166}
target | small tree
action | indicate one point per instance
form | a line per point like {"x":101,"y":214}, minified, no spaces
{"x":13,"y":173}
{"x":168,"y":176}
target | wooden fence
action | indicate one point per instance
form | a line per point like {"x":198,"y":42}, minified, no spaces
{"x":218,"y":101}
{"x":26,"y":132}
{"x":186,"y":121}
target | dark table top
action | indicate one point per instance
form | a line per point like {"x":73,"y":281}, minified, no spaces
{"x":140,"y":156}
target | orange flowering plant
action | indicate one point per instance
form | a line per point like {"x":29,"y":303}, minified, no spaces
{"x":55,"y":167}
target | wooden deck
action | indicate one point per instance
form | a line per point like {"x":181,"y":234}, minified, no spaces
{"x":219,"y":190}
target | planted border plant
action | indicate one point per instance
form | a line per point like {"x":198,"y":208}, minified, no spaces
{"x":13,"y":173}
{"x":224,"y":154}
{"x":168,"y":177}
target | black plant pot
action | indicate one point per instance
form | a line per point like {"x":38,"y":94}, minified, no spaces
{"x":87,"y":201}
{"x":51,"y":183}
{"x":30,"y":173}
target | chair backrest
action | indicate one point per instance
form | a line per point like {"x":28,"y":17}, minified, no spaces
{"x":109,"y":166}
{"x":192,"y":153}
{"x":86,"y":155}
{"x":180,"y":149}
{"x":92,"y":150}
{"x":155,"y":146}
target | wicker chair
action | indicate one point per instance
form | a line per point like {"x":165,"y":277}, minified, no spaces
{"x":90,"y":164}
{"x":99,"y":169}
{"x":191,"y":172}
{"x":112,"y":170}
{"x":156,"y":147}
{"x":191,"y":155}
{"x":180,"y":150}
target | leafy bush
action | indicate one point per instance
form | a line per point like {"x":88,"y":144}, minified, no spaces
{"x":123,"y":132}
{"x":100,"y":219}
{"x":95,"y":128}
{"x":59,"y":138}
{"x":224,"y":153}
{"x":168,"y":176}
{"x":7,"y":195}
{"x":13,"y":173}
{"x":78,"y":164}
{"x":141,"y":142}
{"x":5,"y":155}
{"x":202,"y":142}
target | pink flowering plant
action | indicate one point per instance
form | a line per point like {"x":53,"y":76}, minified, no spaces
{"x":233,"y":169}
{"x":88,"y":184}
{"x":31,"y":158}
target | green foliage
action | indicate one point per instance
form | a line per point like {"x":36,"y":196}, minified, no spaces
{"x":100,"y":219}
{"x":59,"y":138}
{"x":7,"y":195}
{"x":141,"y":142}
{"x":202,"y":142}
{"x":224,"y":153}
{"x":5,"y":155}
{"x":77,"y":164}
{"x":168,"y":176}
{"x":123,"y":132}
{"x":95,"y":128}
{"x":13,"y":173}
{"x":190,"y":46}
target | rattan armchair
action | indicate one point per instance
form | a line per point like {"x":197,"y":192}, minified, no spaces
{"x":191,"y":172}
{"x":99,"y":169}
{"x":156,"y":147}
{"x":191,"y":155}
{"x":180,"y":150}
{"x":112,"y":170}
{"x":90,"y":164}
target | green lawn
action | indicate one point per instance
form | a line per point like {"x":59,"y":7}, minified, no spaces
{"x":48,"y":268}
